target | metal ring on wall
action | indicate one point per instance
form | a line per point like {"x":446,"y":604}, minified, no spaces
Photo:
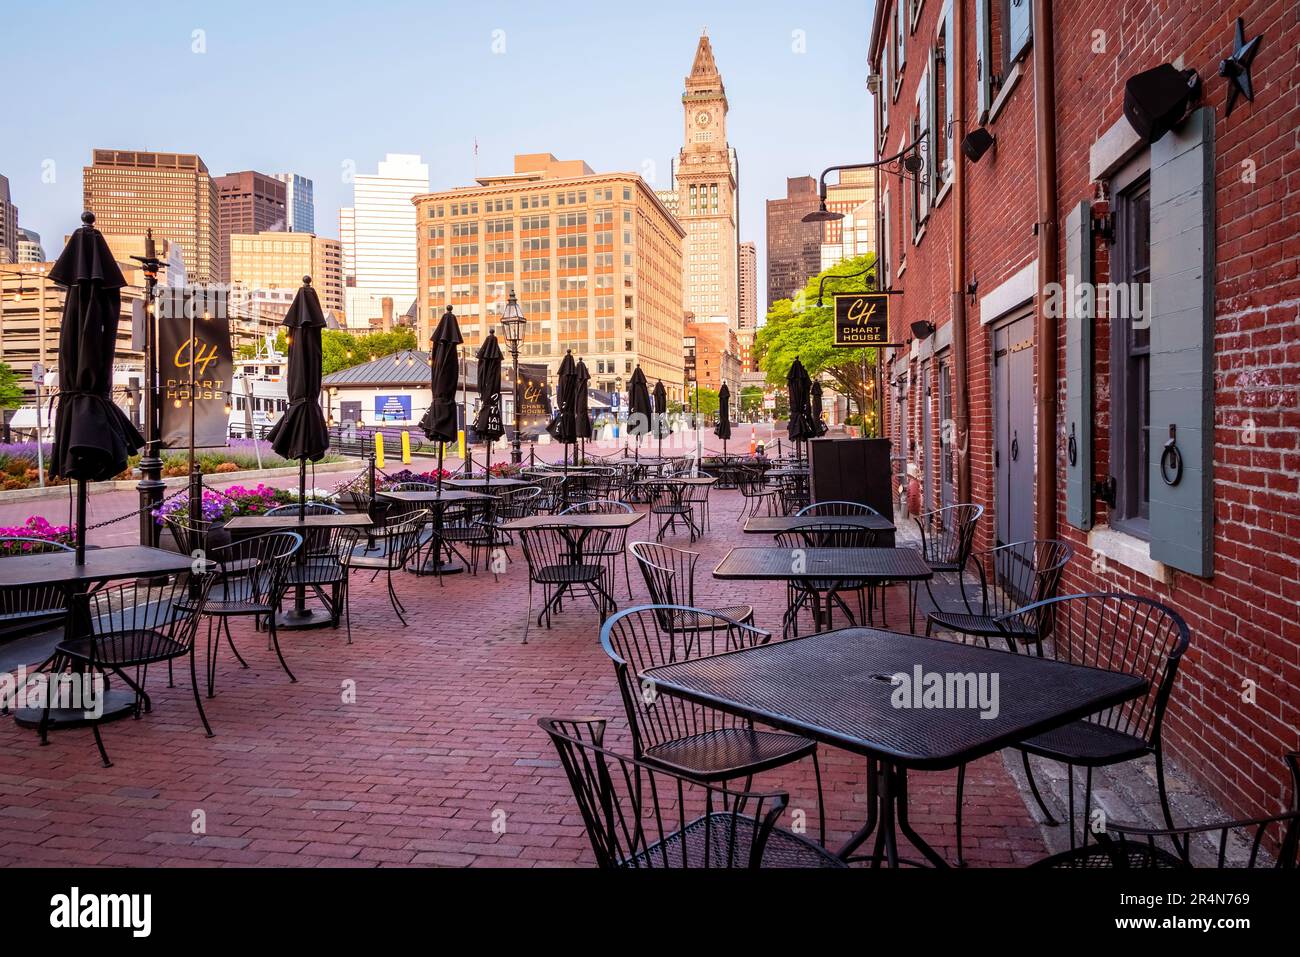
{"x":1171,"y":460}
{"x":1072,"y":448}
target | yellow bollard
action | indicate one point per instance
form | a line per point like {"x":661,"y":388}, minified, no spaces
{"x":379,"y":450}
{"x":460,"y":443}
{"x":406,"y":447}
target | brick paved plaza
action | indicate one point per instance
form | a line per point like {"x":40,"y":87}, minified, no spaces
{"x":440,"y":744}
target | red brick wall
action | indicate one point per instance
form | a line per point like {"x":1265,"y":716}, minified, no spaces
{"x":1245,"y":621}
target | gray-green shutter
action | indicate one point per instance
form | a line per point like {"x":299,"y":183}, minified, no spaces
{"x":1182,"y":342}
{"x":983,"y":61}
{"x":1079,"y":318}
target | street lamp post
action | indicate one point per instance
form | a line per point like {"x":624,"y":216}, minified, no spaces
{"x":151,"y":484}
{"x":512,"y":327}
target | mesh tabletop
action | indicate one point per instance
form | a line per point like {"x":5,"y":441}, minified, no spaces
{"x":576,"y":520}
{"x":433,"y":496}
{"x":287,"y":523}
{"x":102,"y":564}
{"x":772,"y":524}
{"x":794,"y":564}
{"x":838,"y":687}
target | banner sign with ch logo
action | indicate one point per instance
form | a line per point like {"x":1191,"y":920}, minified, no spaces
{"x":862,"y":319}
{"x":209,"y":354}
{"x":534,"y":399}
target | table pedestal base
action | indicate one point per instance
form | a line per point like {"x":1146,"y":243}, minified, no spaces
{"x":118,"y":703}
{"x":886,"y":815}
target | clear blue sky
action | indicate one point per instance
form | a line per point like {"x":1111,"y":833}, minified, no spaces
{"x":304,"y":87}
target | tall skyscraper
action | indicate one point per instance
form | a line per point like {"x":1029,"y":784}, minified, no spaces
{"x":30,"y":249}
{"x":279,"y":260}
{"x":595,"y":259}
{"x":348,"y":237}
{"x":171,"y":193}
{"x":300,"y":203}
{"x":248,"y":202}
{"x":707,"y":180}
{"x":793,"y":246}
{"x":748,"y":286}
{"x":383,"y":255}
{"x":8,"y":224}
{"x":856,"y":186}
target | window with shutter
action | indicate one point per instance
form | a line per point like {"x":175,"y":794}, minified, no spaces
{"x":1017,"y":29}
{"x":1079,"y":317}
{"x":1181,"y":346}
{"x":983,"y":61}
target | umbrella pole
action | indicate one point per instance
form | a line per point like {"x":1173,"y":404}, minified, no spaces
{"x":487,"y":467}
{"x":81,"y":519}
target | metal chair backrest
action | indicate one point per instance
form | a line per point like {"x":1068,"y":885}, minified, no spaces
{"x":413,"y":487}
{"x":154,"y":614}
{"x":636,"y":640}
{"x":669,"y":574}
{"x":1021,"y":573}
{"x":836,"y":507}
{"x":637,"y":816}
{"x":34,"y":599}
{"x":1117,"y":632}
{"x":253,"y":569}
{"x":827,"y":535}
{"x":948,"y":534}
{"x":396,"y":542}
{"x":551,"y":547}
{"x":189,"y":537}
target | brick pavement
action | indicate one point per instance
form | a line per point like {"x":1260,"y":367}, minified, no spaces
{"x":442,"y":734}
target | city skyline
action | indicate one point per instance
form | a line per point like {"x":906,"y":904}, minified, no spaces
{"x":807,"y":77}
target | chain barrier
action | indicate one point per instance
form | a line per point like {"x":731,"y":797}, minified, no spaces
{"x":135,"y":513}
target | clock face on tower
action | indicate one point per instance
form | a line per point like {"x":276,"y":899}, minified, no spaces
{"x":702,"y":118}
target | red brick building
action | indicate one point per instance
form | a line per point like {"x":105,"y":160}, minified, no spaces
{"x":1031,"y":397}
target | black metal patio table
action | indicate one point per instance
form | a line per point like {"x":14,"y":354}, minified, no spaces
{"x":775,"y":524}
{"x":861,"y":689}
{"x":677,"y":487}
{"x":577,"y":527}
{"x":437,"y":501}
{"x":872,"y":565}
{"x":299,"y":616}
{"x":102,"y":565}
{"x":486,"y":485}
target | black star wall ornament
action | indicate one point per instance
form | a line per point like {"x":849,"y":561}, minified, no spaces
{"x":1236,"y":68}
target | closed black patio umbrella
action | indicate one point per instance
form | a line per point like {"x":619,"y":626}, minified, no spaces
{"x":439,"y":423}
{"x":723,"y":430}
{"x":581,"y":410}
{"x":815,"y":398}
{"x":800,"y":428}
{"x":301,"y":432}
{"x":563,"y":426}
{"x":640,"y":411}
{"x":661,"y":413}
{"x":93,"y":438}
{"x":488,"y":423}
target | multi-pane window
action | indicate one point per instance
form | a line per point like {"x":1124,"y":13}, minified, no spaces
{"x":535,"y":222}
{"x":1131,"y":351}
{"x":464,"y":229}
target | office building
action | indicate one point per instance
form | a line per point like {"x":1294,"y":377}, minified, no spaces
{"x":793,"y":246}
{"x":299,"y":203}
{"x":8,"y":224}
{"x":279,"y":260}
{"x":748,"y":317}
{"x":30,"y":249}
{"x":381,"y":243}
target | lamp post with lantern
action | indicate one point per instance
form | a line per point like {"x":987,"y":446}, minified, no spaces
{"x":512,"y":327}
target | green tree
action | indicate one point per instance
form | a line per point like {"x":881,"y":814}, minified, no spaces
{"x":341,"y":350}
{"x":800,"y":328}
{"x":709,"y":403}
{"x":11,"y":393}
{"x":751,"y":401}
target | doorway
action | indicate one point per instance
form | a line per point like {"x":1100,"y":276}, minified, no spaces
{"x":1013,"y":430}
{"x":947,"y":433}
{"x":927,"y":458}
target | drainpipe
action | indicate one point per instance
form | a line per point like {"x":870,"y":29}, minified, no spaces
{"x":961,"y":395}
{"x":1045,"y":332}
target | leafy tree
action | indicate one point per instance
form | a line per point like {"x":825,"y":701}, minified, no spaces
{"x":341,"y":350}
{"x":751,"y":401}
{"x":709,"y":403}
{"x":800,"y":328}
{"x":11,"y":393}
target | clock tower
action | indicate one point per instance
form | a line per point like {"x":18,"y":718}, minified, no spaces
{"x":705,"y":176}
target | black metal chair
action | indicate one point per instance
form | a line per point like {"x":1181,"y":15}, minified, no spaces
{"x":34,"y":604}
{"x":1012,"y":577}
{"x":317,"y":566}
{"x":947,"y":537}
{"x":133,"y":625}
{"x":550,"y":483}
{"x":386,"y":549}
{"x":669,"y":506}
{"x":614,"y":541}
{"x":1117,"y":632}
{"x":702,"y":743}
{"x":558,"y":561}
{"x":669,"y":575}
{"x":755,"y":492}
{"x":248,"y":578}
{"x":641,"y":816}
{"x":1219,"y":844}
{"x":804,"y":591}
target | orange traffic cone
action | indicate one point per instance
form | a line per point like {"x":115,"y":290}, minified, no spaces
{"x":752,"y":443}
